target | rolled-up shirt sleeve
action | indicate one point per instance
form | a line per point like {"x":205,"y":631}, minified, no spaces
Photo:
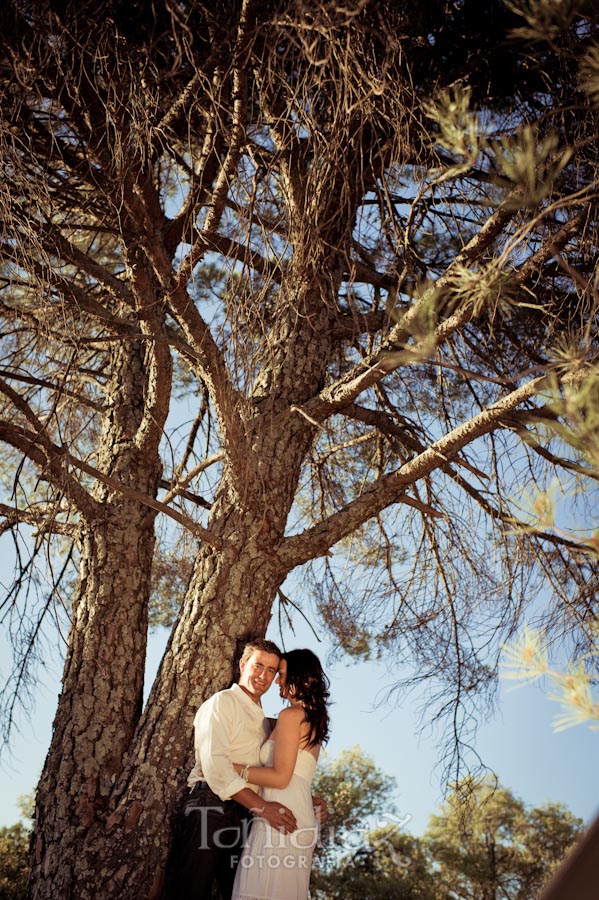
{"x":213,"y":729}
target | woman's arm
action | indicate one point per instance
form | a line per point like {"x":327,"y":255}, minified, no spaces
{"x":287,"y":737}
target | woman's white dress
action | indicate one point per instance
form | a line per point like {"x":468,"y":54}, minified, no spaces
{"x":273,"y":865}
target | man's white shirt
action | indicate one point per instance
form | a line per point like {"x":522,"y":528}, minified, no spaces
{"x":229,"y":728}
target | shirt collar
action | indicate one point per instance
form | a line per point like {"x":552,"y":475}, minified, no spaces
{"x":241,"y":695}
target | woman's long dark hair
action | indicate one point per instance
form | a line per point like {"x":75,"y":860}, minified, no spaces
{"x":306,"y":679}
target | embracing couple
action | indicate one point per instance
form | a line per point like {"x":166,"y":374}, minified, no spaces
{"x":247,"y":775}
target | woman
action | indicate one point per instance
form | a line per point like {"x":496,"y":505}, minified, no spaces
{"x":276,"y":866}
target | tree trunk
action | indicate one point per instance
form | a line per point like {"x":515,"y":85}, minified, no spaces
{"x":101,"y":697}
{"x":102,"y":692}
{"x":123,"y":852}
{"x":229,"y":599}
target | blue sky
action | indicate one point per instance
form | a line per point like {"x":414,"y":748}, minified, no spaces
{"x":519,"y":743}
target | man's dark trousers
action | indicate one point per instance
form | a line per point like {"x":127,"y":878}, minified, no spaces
{"x":209,"y":838}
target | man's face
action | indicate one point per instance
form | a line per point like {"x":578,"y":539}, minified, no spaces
{"x":258,"y":673}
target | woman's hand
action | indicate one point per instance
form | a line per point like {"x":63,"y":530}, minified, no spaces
{"x":238,"y":767}
{"x":320,"y":809}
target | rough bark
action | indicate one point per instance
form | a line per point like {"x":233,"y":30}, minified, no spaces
{"x":101,"y":695}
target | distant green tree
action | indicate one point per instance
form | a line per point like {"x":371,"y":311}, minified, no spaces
{"x":14,"y":862}
{"x":356,"y":790}
{"x":484,"y":844}
{"x":353,"y":860}
{"x":487,"y":845}
{"x":391,"y":865}
{"x":14,"y":852}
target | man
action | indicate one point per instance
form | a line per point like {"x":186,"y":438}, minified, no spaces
{"x":229,"y":728}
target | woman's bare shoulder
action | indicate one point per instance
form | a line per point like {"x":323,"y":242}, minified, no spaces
{"x":291,"y":715}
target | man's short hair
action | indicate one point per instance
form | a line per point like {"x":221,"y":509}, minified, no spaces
{"x":259,"y":644}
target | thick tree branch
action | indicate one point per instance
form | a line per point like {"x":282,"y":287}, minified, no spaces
{"x":391,"y":488}
{"x":395,"y":351}
{"x":236,"y":142}
{"x":181,"y":229}
{"x":75,"y":297}
{"x":53,"y":387}
{"x":145,"y":500}
{"x":349,"y":326}
{"x":52,"y":238}
{"x":37,"y":447}
{"x":405,"y":434}
{"x":51,"y":459}
{"x":232,"y":249}
{"x":43,"y":520}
